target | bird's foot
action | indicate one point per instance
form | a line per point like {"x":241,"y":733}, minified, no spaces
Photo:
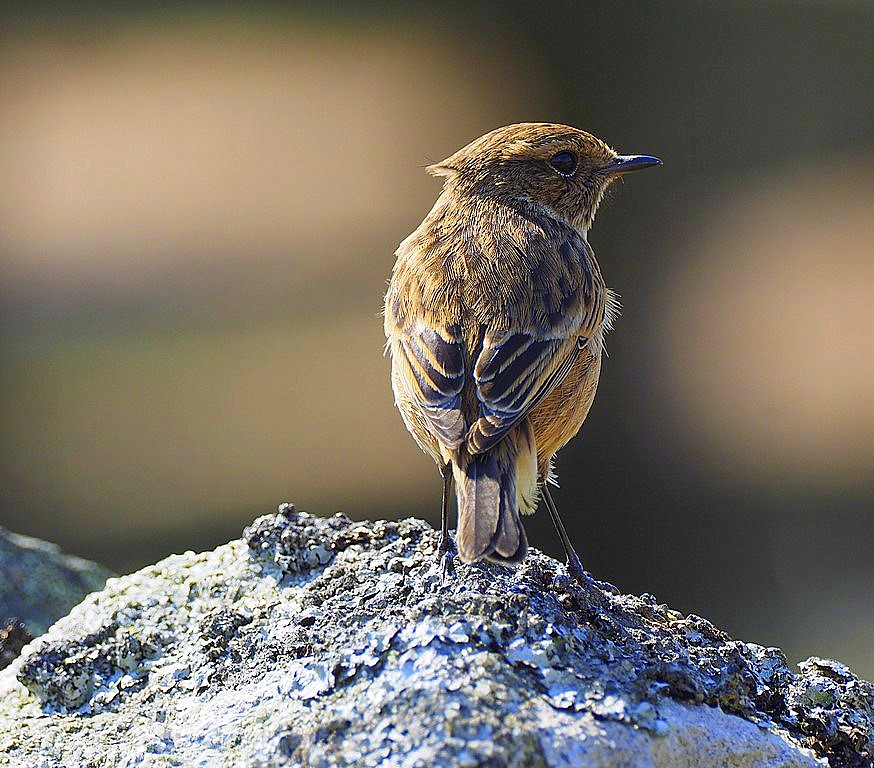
{"x":447,"y":567}
{"x":605,"y":586}
{"x":446,"y":558}
{"x":576,"y":572}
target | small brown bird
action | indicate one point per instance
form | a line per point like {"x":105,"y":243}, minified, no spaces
{"x":495,"y":317}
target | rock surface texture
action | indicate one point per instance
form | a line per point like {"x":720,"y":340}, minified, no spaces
{"x":39,"y":583}
{"x":321,"y":642}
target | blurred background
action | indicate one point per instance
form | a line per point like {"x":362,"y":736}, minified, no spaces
{"x":198,"y":211}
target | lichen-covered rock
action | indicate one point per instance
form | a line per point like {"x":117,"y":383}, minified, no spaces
{"x":321,"y":642}
{"x":13,"y":637}
{"x":39,"y":583}
{"x":89,"y":671}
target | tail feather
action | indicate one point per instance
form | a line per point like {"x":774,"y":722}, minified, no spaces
{"x":479,"y":495}
{"x":509,"y":542}
{"x":488,"y":520}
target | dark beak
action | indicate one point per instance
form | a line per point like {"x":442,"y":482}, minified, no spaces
{"x":628,"y":163}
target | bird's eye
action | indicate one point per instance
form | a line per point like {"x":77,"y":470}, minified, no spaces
{"x":564,"y":162}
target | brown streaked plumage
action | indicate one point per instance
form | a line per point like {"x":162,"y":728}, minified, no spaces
{"x":495,"y":318}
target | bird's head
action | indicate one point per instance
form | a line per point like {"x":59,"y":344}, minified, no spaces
{"x":556,"y":166}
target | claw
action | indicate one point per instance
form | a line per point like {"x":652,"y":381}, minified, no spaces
{"x":561,"y":582}
{"x":584,"y":578}
{"x":447,"y":567}
{"x":605,"y":586}
{"x":446,"y":557}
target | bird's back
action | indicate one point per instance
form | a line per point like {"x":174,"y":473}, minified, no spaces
{"x":482,"y":267}
{"x":486,"y":264}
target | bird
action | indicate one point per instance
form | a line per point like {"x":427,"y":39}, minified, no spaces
{"x":495,"y":316}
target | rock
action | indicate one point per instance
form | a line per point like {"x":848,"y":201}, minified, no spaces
{"x":13,"y":637}
{"x":39,"y":583}
{"x":322,"y":642}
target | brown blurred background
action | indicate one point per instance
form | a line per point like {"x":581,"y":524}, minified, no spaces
{"x":198,"y":211}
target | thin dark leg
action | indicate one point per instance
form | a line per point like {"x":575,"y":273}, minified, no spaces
{"x":574,"y":566}
{"x":446,"y":546}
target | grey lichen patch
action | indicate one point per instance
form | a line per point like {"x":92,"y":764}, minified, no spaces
{"x":834,"y":709}
{"x":325,"y":642}
{"x":89,"y":672}
{"x":297,"y":542}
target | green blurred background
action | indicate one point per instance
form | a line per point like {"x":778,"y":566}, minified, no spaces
{"x":198,"y":210}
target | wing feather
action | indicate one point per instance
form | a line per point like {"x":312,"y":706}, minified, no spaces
{"x":431,"y":365}
{"x":507,"y":397}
